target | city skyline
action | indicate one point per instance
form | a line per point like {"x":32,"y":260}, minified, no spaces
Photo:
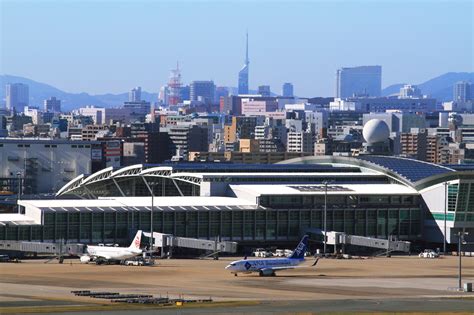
{"x":112,"y":56}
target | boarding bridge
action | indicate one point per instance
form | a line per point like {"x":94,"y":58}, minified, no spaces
{"x":167,"y":240}
{"x":40,"y":247}
{"x":340,"y":238}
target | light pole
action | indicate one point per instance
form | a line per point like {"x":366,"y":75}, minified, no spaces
{"x":151,"y":217}
{"x":325,"y":214}
{"x":445,"y":214}
{"x":19,"y":191}
{"x":461,"y":235}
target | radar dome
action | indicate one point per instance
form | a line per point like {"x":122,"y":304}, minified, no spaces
{"x":375,"y":130}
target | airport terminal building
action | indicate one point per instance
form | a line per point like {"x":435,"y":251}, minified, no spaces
{"x":375,"y":196}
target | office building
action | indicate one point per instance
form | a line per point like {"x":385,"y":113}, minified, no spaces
{"x":184,"y":139}
{"x":287,"y":90}
{"x":97,"y":114}
{"x":255,"y":108}
{"x":264,"y":90}
{"x":52,"y":105}
{"x":135,"y":94}
{"x":382,"y":104}
{"x":140,"y":108}
{"x":410,"y":91}
{"x":203,"y":91}
{"x":300,"y":142}
{"x":44,"y":165}
{"x":240,"y":128}
{"x":359,"y":81}
{"x":243,"y":84}
{"x":17,"y":96}
{"x":462,"y":91}
{"x":3,"y":126}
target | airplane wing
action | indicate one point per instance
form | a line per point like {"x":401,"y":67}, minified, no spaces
{"x":289,"y":267}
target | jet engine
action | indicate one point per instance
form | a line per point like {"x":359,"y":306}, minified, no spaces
{"x":85,"y":259}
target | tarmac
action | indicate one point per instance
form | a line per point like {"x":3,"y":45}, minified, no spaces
{"x":363,"y":285}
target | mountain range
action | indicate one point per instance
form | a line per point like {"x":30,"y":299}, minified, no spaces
{"x":440,"y":88}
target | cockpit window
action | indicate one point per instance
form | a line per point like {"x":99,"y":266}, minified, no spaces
{"x":233,"y":264}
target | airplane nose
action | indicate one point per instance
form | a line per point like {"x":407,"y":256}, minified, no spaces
{"x":227,"y":267}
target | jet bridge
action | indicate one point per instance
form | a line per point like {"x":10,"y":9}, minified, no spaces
{"x":24,"y":247}
{"x":162,"y":240}
{"x":341,"y":238}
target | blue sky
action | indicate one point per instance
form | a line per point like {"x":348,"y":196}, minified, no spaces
{"x":112,"y":46}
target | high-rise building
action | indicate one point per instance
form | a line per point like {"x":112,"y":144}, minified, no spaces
{"x":300,"y":142}
{"x":244,"y":72}
{"x":221,"y":91}
{"x":52,"y":105}
{"x":287,"y":90}
{"x":135,"y":94}
{"x":410,"y":91}
{"x":17,"y":95}
{"x":164,"y":95}
{"x":202,"y":91}
{"x":462,"y":91}
{"x":264,"y":90}
{"x":184,"y":93}
{"x":359,"y":81}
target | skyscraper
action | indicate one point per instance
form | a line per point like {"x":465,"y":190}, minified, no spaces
{"x":264,"y":90}
{"x":52,"y":105}
{"x":244,"y":72}
{"x":203,"y":91}
{"x":287,"y":90}
{"x":17,"y":95}
{"x":135,"y":94}
{"x":462,"y":91}
{"x":359,"y":81}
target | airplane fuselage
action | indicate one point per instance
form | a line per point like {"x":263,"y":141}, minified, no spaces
{"x":112,"y":253}
{"x":256,"y":265}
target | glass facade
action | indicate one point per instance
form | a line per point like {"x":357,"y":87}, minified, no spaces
{"x":280,"y":218}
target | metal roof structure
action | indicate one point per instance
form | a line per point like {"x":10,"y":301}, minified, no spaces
{"x":193,"y":172}
{"x":254,"y":190}
{"x":137,"y":203}
{"x":402,"y":170}
{"x":410,"y":169}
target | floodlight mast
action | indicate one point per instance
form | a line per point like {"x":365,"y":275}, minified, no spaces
{"x":151,"y":218}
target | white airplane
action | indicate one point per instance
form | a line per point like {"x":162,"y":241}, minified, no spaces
{"x":100,"y":254}
{"x":268,"y":267}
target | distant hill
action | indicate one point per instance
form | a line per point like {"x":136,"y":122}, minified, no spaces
{"x":440,"y":87}
{"x":41,"y":91}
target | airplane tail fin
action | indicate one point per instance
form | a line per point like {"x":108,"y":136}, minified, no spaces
{"x":299,"y":251}
{"x":137,"y":240}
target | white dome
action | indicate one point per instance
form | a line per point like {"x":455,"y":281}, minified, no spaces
{"x":375,"y":130}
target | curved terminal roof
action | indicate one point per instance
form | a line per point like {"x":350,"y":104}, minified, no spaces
{"x":405,"y":170}
{"x":192,"y":172}
{"x":410,"y":169}
{"x":410,"y":172}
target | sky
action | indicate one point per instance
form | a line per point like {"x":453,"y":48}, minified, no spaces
{"x":111,"y":46}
